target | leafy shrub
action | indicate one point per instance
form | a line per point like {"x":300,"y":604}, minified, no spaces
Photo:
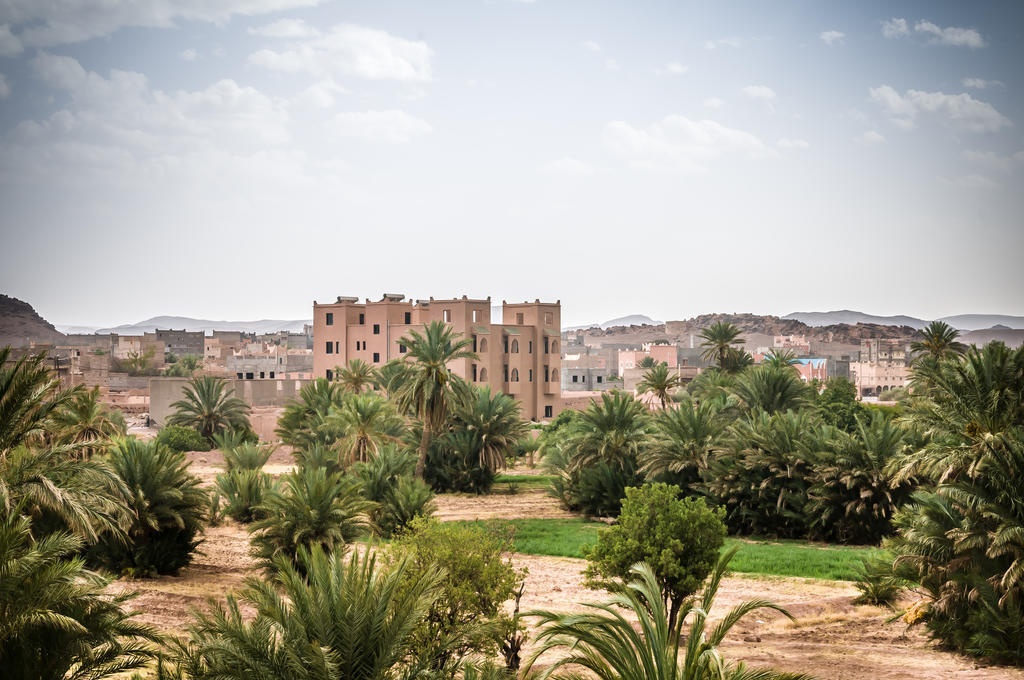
{"x":387,"y":481}
{"x":168,"y":508}
{"x":243,"y":491}
{"x":247,"y":456}
{"x":182,"y":438}
{"x":679,"y":538}
{"x":453,"y":465}
{"x":877,"y":583}
{"x":468,"y":616}
{"x":233,"y":438}
{"x":311,"y":507}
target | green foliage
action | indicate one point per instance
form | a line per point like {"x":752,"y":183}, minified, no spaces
{"x":605,"y":643}
{"x":772,"y":389}
{"x":877,"y":583}
{"x":685,"y":439}
{"x":182,"y":438}
{"x":243,"y":491}
{"x":86,"y":424}
{"x":678,"y":538}
{"x":363,"y":423}
{"x":838,"y":405}
{"x":356,"y":376}
{"x":388,"y":482}
{"x":209,"y":407}
{"x":301,"y":423}
{"x":168,"y":508}
{"x":660,"y":382}
{"x":311,"y":507}
{"x":247,"y":456}
{"x":468,"y":616}
{"x":453,"y":464}
{"x":718,"y":340}
{"x":184,"y":367}
{"x":324,"y":618}
{"x":56,"y":619}
{"x":137,"y":363}
{"x":231,"y":439}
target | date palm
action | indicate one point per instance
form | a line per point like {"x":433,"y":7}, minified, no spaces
{"x":86,"y":424}
{"x":772,"y":389}
{"x":610,"y":646}
{"x":364,"y":422}
{"x":494,"y":419}
{"x":660,"y":382}
{"x":939,"y":341}
{"x":780,"y":358}
{"x":717,"y":340}
{"x":301,"y":423}
{"x":615,"y":431}
{"x":209,"y":406}
{"x":426,"y":391}
{"x":685,"y":438}
{"x":29,"y":395}
{"x":356,"y":376}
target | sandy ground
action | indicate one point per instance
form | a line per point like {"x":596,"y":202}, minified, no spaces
{"x":831,"y":639}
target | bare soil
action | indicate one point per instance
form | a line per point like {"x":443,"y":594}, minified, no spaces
{"x":831,"y":638}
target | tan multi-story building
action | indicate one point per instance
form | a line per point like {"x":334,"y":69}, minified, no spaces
{"x":883,"y":366}
{"x":519,"y":356}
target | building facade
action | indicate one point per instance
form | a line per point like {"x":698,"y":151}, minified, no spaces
{"x":882,"y":366}
{"x":519,"y":356}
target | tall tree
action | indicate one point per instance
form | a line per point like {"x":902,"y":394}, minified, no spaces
{"x":210,"y":407}
{"x":660,"y":382}
{"x":939,"y":341}
{"x":494,"y":418}
{"x":87,"y":424}
{"x":356,"y":376}
{"x":717,"y":340}
{"x":427,"y":392}
{"x":365,"y":422}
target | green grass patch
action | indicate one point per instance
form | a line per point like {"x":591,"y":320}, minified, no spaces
{"x":523,"y":481}
{"x":569,"y":538}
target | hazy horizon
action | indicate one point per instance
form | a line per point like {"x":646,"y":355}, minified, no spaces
{"x":236,"y":160}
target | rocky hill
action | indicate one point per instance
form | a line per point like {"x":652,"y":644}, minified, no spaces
{"x":20,"y":325}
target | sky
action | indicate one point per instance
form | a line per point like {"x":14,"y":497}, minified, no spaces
{"x":238,"y":159}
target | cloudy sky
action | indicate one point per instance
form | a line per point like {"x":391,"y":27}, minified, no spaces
{"x":240,"y":158}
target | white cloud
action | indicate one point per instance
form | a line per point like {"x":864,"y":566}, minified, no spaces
{"x":568,"y":166}
{"x":611,"y":64}
{"x":758,"y":92}
{"x":9,"y":43}
{"x":352,"y":51}
{"x":895,"y":28}
{"x":189,"y":54}
{"x":870,"y":137}
{"x":591,"y":45}
{"x":961,"y":110}
{"x":980,"y":83}
{"x":677,"y":142}
{"x":44,"y":23}
{"x":832,"y":37}
{"x":392,"y":126}
{"x":320,"y":95}
{"x":787,"y":143}
{"x":714,"y":102}
{"x":994,"y":161}
{"x":952,"y":36}
{"x":724,"y":42}
{"x":672,"y":68}
{"x":5,"y":89}
{"x":285,"y":28}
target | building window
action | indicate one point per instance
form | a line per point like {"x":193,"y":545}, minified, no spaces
{"x":401,"y":348}
{"x":362,"y":319}
{"x":547,"y":374}
{"x":547,"y":349}
{"x":474,"y":343}
{"x":515,"y":346}
{"x":271,"y":375}
{"x":330,"y":375}
{"x":446,"y":316}
{"x":376,"y":329}
{"x":515,"y":375}
{"x":239,"y":376}
{"x":408,"y":317}
{"x":476,"y":315}
{"x":330,"y":348}
{"x":548,"y":318}
{"x":531,"y":375}
{"x":504,"y":343}
{"x":583,"y":378}
{"x":473,"y":368}
{"x":554,"y":346}
{"x":575,"y":378}
{"x":262,"y":375}
{"x":547,"y":411}
{"x":248,"y":376}
{"x":330,"y":318}
{"x":519,"y":318}
{"x":554,"y":375}
{"x":531,"y":347}
{"x":483,"y":375}
{"x":483,"y":344}
{"x":376,"y":357}
{"x":506,"y":372}
{"x":598,"y":380}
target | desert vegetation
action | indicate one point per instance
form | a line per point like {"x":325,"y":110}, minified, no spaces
{"x":745,"y":469}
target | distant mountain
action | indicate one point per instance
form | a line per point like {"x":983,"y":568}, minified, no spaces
{"x":20,"y":325}
{"x":979,"y":322}
{"x":851,"y":317}
{"x":631,"y":320}
{"x":76,"y":330}
{"x":206,"y":325}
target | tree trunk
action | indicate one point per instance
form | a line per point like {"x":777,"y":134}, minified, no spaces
{"x":421,"y":460}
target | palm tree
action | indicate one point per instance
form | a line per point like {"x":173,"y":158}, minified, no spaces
{"x":660,"y":382}
{"x":718,"y":339}
{"x":311,"y":507}
{"x":366,"y":421}
{"x":772,"y":389}
{"x":686,"y":438}
{"x":86,"y":424}
{"x":939,"y":341}
{"x":56,"y":620}
{"x":608,"y":645}
{"x":356,"y":376}
{"x":494,"y":419}
{"x":209,"y":407}
{"x":29,"y":395}
{"x":300,"y":423}
{"x":780,"y":358}
{"x":614,"y":432}
{"x":427,"y":390}
{"x":185,"y":366}
{"x":330,"y":618}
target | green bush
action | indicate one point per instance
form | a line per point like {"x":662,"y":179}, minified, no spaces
{"x":243,"y":491}
{"x":388,"y":482}
{"x":468,"y":617}
{"x":311,"y":507}
{"x":182,"y":438}
{"x":453,"y":465}
{"x":247,"y":456}
{"x":168,"y":508}
{"x":679,"y":538}
{"x":877,"y":583}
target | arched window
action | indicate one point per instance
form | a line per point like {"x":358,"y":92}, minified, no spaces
{"x":554,"y":346}
{"x":483,"y":344}
{"x":515,"y":375}
{"x":515,"y":346}
{"x":554,"y":375}
{"x":483,"y":375}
